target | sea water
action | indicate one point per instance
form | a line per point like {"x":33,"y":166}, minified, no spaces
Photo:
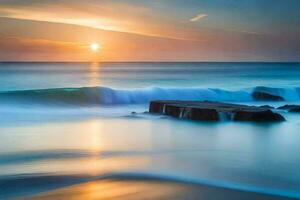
{"x":66,"y":123}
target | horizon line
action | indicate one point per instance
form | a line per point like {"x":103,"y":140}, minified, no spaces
{"x":149,"y":61}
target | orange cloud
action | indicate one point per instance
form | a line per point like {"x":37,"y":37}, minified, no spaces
{"x":40,"y":44}
{"x":104,"y":16}
{"x":41,"y":49}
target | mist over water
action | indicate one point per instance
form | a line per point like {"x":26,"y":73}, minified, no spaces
{"x":65,"y":123}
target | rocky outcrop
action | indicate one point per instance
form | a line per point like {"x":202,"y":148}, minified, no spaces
{"x":266,"y":106}
{"x":259,"y":116}
{"x":213,"y":111}
{"x":264,"y":96}
{"x":261,"y":93}
{"x":290,"y":108}
{"x":297,"y":109}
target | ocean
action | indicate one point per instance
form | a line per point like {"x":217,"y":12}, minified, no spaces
{"x":68,"y":123}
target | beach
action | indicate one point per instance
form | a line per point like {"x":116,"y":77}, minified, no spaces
{"x":83,"y":130}
{"x":147,"y":189}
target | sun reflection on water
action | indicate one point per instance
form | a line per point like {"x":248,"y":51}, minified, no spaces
{"x":94,"y":74}
{"x":94,"y":128}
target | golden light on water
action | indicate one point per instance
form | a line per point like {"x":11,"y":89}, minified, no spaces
{"x":95,"y":129}
{"x":94,"y":74}
{"x":118,"y":189}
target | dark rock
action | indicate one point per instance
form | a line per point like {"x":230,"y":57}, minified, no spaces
{"x":193,"y":113}
{"x":261,"y":116}
{"x":157,"y":106}
{"x":213,"y":111}
{"x":133,"y":113}
{"x":266,"y":106}
{"x":261,"y":93}
{"x":295,"y":109}
{"x":202,"y":114}
{"x":264,"y":96}
{"x":287,"y":107}
{"x":290,"y":108}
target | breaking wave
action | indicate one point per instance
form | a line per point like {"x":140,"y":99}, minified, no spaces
{"x":109,"y":96}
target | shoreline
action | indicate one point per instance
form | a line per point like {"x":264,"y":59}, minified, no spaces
{"x":135,"y":189}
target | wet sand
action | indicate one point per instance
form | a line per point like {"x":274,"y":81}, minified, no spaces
{"x":115,"y":189}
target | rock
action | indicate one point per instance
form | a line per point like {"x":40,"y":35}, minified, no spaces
{"x":295,"y":109}
{"x":157,"y":106}
{"x":266,"y":106}
{"x":261,"y":93}
{"x":213,"y":111}
{"x":202,"y":114}
{"x":133,"y":113}
{"x":285,"y":107}
{"x":264,"y":96}
{"x":260,"y":116}
{"x":290,"y":108}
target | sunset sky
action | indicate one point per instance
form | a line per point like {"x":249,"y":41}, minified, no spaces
{"x":150,"y":30}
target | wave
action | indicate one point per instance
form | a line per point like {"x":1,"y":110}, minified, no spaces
{"x":110,"y":96}
{"x":17,"y":185}
{"x":36,"y":156}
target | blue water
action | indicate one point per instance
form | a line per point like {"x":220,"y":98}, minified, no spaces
{"x":23,"y":76}
{"x":66,"y":123}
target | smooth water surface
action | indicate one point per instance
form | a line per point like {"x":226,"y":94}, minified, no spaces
{"x":63,"y":123}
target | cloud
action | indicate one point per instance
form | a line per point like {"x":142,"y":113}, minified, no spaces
{"x":198,"y":17}
{"x":39,"y":45}
{"x":97,"y":14}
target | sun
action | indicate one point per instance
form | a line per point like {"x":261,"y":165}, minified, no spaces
{"x":94,"y":46}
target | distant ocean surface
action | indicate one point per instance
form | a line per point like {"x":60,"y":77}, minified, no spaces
{"x":66,"y":123}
